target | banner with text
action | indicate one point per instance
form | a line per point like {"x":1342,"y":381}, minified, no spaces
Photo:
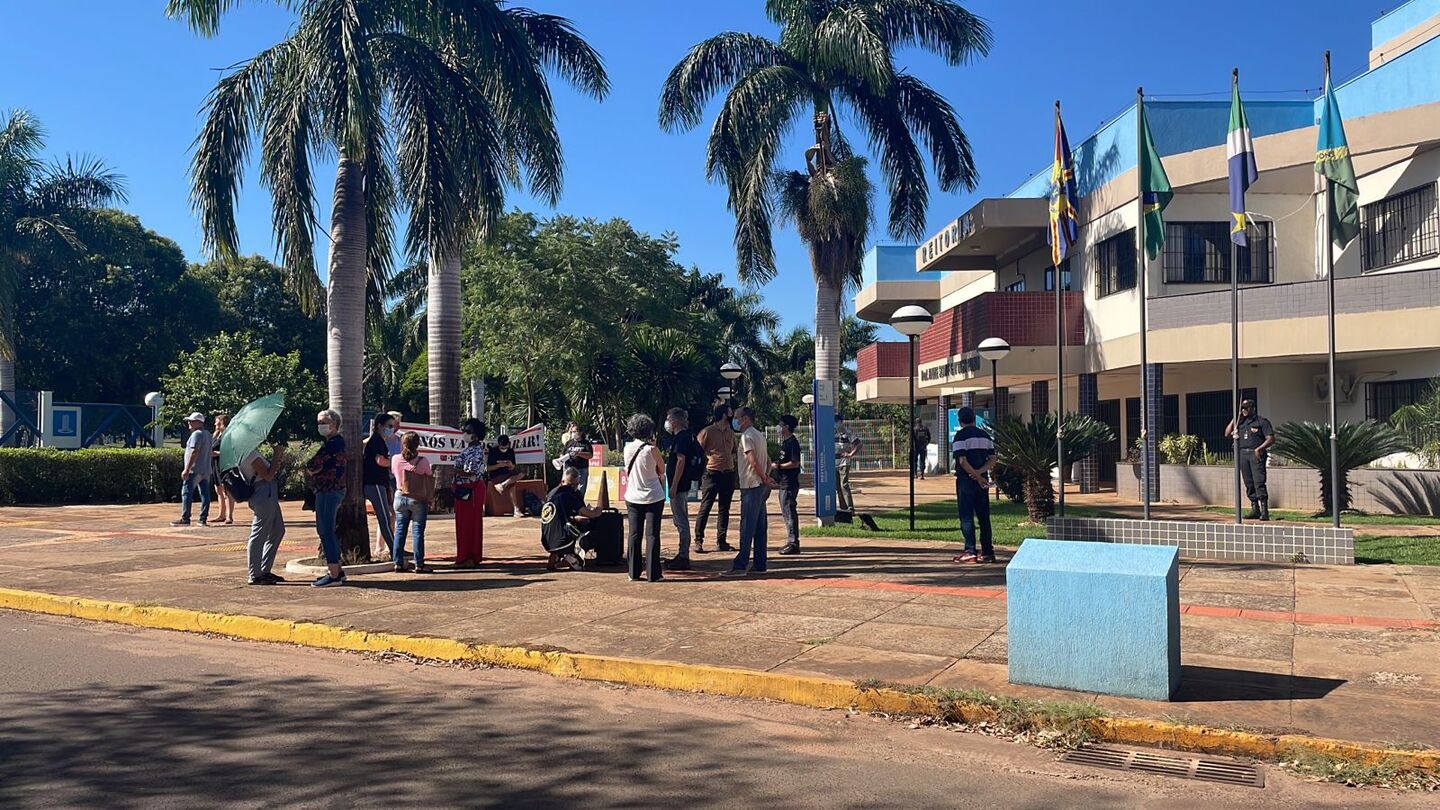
{"x":438,"y":443}
{"x":529,"y":445}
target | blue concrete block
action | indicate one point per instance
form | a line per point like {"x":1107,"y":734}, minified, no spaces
{"x":1095,"y":617}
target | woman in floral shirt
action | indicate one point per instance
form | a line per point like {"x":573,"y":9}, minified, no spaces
{"x":327,"y":480}
{"x":470,"y":496}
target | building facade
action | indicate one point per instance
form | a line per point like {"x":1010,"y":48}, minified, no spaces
{"x":989,"y":274}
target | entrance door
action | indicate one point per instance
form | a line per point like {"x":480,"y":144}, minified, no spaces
{"x":1110,"y":455}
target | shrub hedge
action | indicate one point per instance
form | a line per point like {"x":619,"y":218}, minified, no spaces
{"x":109,"y":475}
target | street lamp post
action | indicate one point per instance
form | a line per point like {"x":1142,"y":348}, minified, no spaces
{"x":911,"y":322}
{"x":994,"y":349}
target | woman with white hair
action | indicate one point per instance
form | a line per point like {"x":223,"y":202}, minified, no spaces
{"x":644,"y":496}
{"x":327,"y":480}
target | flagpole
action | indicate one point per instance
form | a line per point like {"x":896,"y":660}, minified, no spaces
{"x":1144,"y":270}
{"x":1235,"y":353}
{"x":1330,"y":328}
{"x":1059,"y":364}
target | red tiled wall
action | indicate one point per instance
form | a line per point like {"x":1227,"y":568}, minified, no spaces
{"x":1021,"y":318}
{"x":887,"y":359}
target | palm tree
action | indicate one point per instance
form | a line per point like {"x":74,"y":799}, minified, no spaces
{"x":1028,"y":448}
{"x":392,"y":88}
{"x":38,"y":204}
{"x":831,"y":56}
{"x":395,"y":341}
{"x":1308,"y":444}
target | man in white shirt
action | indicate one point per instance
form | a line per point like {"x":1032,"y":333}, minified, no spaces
{"x":195,"y":477}
{"x":755,"y":484}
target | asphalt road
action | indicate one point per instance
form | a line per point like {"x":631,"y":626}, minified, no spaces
{"x":104,"y":716}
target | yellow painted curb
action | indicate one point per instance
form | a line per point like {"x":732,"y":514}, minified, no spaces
{"x":821,"y":693}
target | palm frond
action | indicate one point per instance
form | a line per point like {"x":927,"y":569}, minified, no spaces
{"x":77,"y":183}
{"x":203,"y":16}
{"x":847,"y":46}
{"x":941,"y":27}
{"x":900,"y":160}
{"x":711,"y":67}
{"x":287,"y":139}
{"x":560,"y":48}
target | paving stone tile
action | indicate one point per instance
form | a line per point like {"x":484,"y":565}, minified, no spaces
{"x":994,"y":649}
{"x":843,"y":661}
{"x":596,"y":638}
{"x":727,"y":650}
{"x":585,"y":605}
{"x":941,"y":616}
{"x":925,"y":639}
{"x":1234,"y":643}
{"x":788,"y":626}
{"x":1251,"y":601}
{"x":1389,"y":608}
{"x":507,"y":628}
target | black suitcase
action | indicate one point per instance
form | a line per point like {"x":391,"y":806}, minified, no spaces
{"x":606,"y":537}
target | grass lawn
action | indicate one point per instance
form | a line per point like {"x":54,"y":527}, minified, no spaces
{"x":938,"y":520}
{"x":1371,"y":549}
{"x":1345,"y":520}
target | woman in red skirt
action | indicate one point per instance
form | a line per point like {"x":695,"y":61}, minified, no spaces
{"x":470,"y":497}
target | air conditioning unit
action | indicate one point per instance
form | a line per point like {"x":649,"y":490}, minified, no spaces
{"x":1344,"y":384}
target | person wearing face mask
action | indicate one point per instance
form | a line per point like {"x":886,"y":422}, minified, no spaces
{"x":644,"y":498}
{"x":718,"y":482}
{"x":327,"y":479}
{"x":576,"y":456}
{"x":469,"y":493}
{"x":379,"y":485}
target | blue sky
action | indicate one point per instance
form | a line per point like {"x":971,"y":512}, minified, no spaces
{"x":119,"y":80}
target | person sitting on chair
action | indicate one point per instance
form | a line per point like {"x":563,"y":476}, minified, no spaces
{"x":562,"y":521}
{"x":501,"y":466}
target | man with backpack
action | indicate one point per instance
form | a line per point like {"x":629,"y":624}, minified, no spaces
{"x":683,"y":467}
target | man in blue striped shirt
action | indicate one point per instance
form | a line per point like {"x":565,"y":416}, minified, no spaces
{"x":974,"y":453}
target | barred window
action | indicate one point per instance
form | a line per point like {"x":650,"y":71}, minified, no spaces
{"x":1383,"y":399}
{"x":1399,"y":229}
{"x":1064,"y":276}
{"x":1115,"y":263}
{"x":1018,"y":286}
{"x":1199,"y":253}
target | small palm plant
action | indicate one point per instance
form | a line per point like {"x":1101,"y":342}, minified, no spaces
{"x":1028,"y":448}
{"x":1308,"y":444}
{"x":1421,"y":422}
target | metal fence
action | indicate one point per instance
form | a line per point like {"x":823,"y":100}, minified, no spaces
{"x":100,"y":424}
{"x":883,"y":445}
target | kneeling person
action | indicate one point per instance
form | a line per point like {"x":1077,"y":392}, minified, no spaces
{"x":560,"y":520}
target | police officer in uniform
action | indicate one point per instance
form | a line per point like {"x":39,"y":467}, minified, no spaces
{"x":1256,"y":436}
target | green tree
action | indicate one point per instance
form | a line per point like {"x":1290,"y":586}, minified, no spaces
{"x":403,"y":92}
{"x":1421,"y":422}
{"x":254,"y":299}
{"x":1308,"y":444}
{"x":396,"y":342}
{"x":102,"y":323}
{"x":228,"y":370}
{"x":830,"y":56}
{"x":38,"y":202}
{"x":1028,"y":448}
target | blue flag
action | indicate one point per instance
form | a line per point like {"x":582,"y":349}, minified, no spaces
{"x":1064,"y":200}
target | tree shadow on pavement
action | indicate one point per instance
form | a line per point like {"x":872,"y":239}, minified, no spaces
{"x":271,"y":742}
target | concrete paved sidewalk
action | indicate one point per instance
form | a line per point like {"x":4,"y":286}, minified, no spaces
{"x":1347,"y":652}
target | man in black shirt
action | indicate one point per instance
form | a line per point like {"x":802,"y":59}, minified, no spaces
{"x":920,"y":435}
{"x":1256,"y":436}
{"x":683,"y":465}
{"x":500,"y":465}
{"x":788,"y":469}
{"x":974,"y":452}
{"x":564,"y":509}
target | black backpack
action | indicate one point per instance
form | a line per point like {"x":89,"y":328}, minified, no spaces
{"x":531,"y":504}
{"x":235,"y":483}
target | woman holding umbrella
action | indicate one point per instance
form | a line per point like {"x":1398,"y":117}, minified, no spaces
{"x":239,"y":453}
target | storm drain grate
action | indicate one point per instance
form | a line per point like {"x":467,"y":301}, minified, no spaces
{"x":1183,"y":765}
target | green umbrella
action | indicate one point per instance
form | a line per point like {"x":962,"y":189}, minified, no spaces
{"x":248,"y":429}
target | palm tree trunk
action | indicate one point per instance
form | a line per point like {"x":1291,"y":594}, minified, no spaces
{"x":7,"y":385}
{"x":345,"y":343}
{"x":442,"y":318}
{"x":827,"y":327}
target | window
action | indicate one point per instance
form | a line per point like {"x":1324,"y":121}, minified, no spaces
{"x":1199,"y":253}
{"x":1399,"y":229}
{"x":1170,"y":419}
{"x":1018,"y":286}
{"x":1383,"y":399}
{"x":1064,"y":276}
{"x":1115,"y":263}
{"x":1208,"y":412}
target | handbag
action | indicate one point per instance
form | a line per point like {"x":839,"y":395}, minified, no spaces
{"x":417,"y":487}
